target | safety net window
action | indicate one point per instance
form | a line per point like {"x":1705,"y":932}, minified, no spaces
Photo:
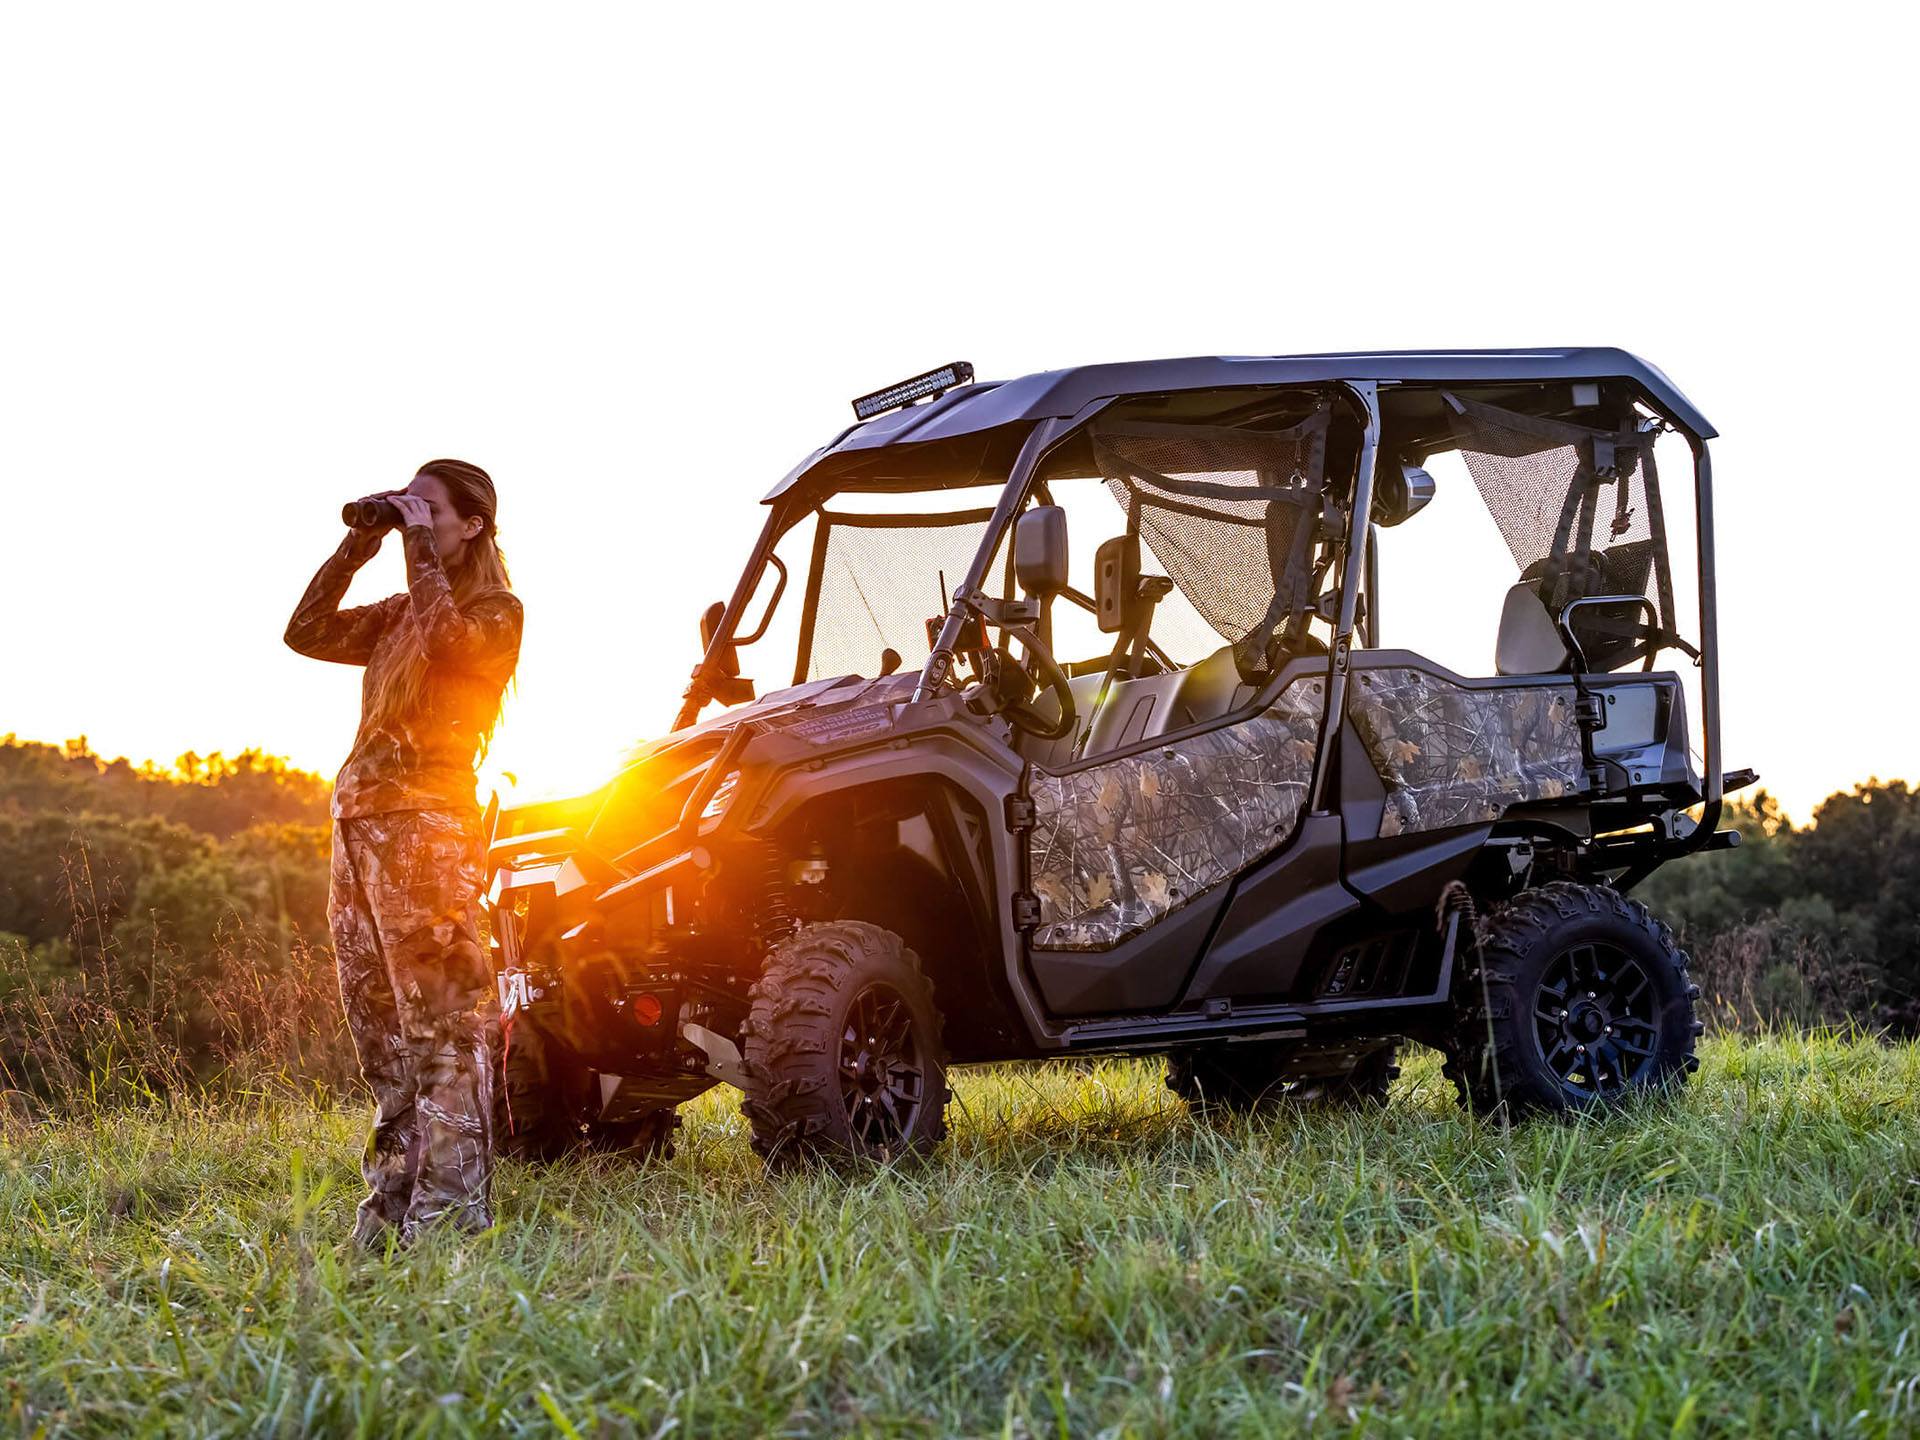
{"x":1580,"y":510}
{"x":877,"y":579}
{"x":1232,"y":516}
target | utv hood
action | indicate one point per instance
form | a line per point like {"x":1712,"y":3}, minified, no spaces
{"x":647,"y":799}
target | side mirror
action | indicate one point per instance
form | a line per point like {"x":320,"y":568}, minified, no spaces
{"x":1040,"y":550}
{"x":1400,"y":491}
{"x":1116,"y":582}
{"x":710,"y":623}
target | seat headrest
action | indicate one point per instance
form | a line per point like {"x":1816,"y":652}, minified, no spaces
{"x":1529,"y":642}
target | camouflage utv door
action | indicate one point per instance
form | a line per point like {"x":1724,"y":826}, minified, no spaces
{"x":1130,"y":849}
{"x":1451,"y":752}
{"x":1119,"y":845}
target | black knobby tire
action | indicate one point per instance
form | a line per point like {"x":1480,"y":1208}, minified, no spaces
{"x":842,"y":1049}
{"x":1578,"y":997}
{"x":534,"y":1115}
{"x":540,"y":1096}
{"x":1246,"y":1078}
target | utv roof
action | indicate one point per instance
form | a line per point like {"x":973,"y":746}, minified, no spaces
{"x":989,"y":404}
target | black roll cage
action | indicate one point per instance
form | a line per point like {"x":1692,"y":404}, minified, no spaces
{"x":1357,"y":571}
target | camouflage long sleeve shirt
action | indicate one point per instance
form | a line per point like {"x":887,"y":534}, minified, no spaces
{"x":424,"y":760}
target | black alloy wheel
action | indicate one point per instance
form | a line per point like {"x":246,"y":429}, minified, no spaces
{"x":1596,"y":1018}
{"x":1574,"y":998}
{"x":882,"y":1080}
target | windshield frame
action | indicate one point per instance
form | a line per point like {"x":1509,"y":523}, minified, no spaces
{"x":790,"y":505}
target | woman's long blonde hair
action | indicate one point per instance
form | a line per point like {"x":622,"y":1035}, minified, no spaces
{"x":401,"y":688}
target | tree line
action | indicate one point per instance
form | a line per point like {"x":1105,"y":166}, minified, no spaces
{"x":168,"y":923}
{"x":163,"y":925}
{"x":1811,"y":924}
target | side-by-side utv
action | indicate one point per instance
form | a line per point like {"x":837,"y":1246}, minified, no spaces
{"x":1090,"y":744}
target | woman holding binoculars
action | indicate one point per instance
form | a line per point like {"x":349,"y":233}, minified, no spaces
{"x":407,"y":850}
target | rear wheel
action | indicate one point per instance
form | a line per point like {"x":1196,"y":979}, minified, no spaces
{"x":1579,"y":997}
{"x":843,"y":1051}
{"x":1254,"y":1076}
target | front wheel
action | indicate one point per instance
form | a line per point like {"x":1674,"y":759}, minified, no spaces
{"x":1579,"y":997}
{"x":535,"y":1094}
{"x":541,"y":1099}
{"x":842,"y":1050}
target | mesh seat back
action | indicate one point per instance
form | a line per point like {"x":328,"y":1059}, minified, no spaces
{"x":1580,"y":510}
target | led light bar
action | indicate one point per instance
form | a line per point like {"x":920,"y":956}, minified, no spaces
{"x":934,"y":382}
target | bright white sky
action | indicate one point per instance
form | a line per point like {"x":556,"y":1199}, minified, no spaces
{"x":635,"y":260}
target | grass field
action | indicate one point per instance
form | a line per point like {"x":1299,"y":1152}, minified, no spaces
{"x":1081,"y":1259}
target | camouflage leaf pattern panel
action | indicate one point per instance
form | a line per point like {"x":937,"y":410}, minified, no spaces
{"x":420,"y":1003}
{"x":1454,"y":755}
{"x":1119,"y":846}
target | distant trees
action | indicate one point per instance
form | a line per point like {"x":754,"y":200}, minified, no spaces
{"x":97,"y":852}
{"x":160,"y":924}
{"x":1817,"y":923}
{"x":173,"y":917}
{"x":215,"y":794}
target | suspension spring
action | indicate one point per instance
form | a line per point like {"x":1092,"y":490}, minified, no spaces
{"x":1457,"y":900}
{"x":773,"y":917}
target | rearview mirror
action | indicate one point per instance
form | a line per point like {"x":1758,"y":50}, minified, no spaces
{"x":1040,"y":550}
{"x":1116,"y":582}
{"x":729,"y":658}
{"x":1400,"y":491}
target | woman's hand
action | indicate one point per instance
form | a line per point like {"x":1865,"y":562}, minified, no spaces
{"x":413,"y":510}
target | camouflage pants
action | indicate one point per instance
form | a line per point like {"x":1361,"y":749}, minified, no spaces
{"x":420,"y":1000}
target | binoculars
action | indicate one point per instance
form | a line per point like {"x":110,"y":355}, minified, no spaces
{"x":370,"y":514}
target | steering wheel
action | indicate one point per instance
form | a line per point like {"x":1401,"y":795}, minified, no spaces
{"x":1021,"y":714}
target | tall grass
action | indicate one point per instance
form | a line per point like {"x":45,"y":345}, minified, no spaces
{"x":144,"y":1022}
{"x":113,"y":1027}
{"x":1763,"y":975}
{"x":1082,"y":1258}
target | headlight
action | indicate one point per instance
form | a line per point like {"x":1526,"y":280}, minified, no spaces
{"x":722,"y":796}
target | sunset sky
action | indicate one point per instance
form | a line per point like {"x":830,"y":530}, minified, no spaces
{"x":241,"y":290}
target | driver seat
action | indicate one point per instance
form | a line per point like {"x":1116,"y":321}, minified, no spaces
{"x":1209,"y":690}
{"x":1051,"y":754}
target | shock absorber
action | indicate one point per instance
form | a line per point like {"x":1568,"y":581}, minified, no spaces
{"x":1456,"y":908}
{"x":773,"y":916}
